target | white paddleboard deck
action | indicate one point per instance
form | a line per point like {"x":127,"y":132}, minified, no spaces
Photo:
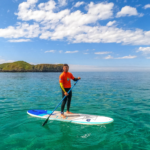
{"x":73,"y":118}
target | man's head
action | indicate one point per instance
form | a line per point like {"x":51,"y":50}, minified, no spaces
{"x":65,"y":67}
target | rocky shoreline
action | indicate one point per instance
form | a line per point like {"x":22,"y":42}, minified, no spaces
{"x":21,"y":66}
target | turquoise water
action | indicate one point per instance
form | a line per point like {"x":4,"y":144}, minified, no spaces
{"x":125,"y":97}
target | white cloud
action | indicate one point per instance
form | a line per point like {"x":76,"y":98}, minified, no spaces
{"x":48,"y":6}
{"x":78,"y":4}
{"x":141,"y":15}
{"x":5,"y":61}
{"x":84,"y":68}
{"x":62,"y":2}
{"x":105,"y":34}
{"x":44,"y":12}
{"x":33,"y":63}
{"x":147,"y":6}
{"x":148,"y":58}
{"x":60,"y":51}
{"x":14,"y":1}
{"x":101,"y":10}
{"x":75,"y":27}
{"x":96,"y":58}
{"x":138,"y":5}
{"x":110,"y":23}
{"x":21,"y":30}
{"x":124,"y":57}
{"x":127,"y":57}
{"x":127,"y":11}
{"x":108,"y":57}
{"x":90,"y":68}
{"x":20,"y":40}
{"x":144,"y":50}
{"x":101,"y":53}
{"x":71,"y":51}
{"x":50,"y":51}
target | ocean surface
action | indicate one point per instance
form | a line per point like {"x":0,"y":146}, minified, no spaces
{"x":123,"y":96}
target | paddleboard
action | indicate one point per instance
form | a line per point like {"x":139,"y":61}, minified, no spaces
{"x":73,"y":118}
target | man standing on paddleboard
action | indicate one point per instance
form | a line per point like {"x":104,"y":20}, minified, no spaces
{"x":65,"y":84}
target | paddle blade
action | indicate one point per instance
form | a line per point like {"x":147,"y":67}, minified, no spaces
{"x":45,"y":121}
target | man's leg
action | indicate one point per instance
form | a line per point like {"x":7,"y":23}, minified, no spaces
{"x":63,"y":105}
{"x":69,"y":103}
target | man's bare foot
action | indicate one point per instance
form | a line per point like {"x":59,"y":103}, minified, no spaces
{"x":63,"y":116}
{"x":68,"y":112}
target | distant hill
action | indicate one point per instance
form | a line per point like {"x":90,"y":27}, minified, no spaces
{"x":21,"y":66}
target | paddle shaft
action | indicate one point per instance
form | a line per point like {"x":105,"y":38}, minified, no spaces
{"x":59,"y":103}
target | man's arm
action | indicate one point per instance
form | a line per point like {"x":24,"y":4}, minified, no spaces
{"x":75,"y":79}
{"x":62,"y":87}
{"x":61,"y":83}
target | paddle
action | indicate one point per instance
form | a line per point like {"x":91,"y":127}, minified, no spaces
{"x":58,"y":104}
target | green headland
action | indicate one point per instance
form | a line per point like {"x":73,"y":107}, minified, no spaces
{"x":21,"y":66}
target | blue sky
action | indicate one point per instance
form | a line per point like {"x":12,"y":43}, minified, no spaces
{"x":112,"y":35}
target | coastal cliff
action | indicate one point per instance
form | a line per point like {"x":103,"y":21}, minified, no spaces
{"x":21,"y":66}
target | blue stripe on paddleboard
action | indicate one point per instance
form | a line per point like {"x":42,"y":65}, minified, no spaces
{"x":39,"y":112}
